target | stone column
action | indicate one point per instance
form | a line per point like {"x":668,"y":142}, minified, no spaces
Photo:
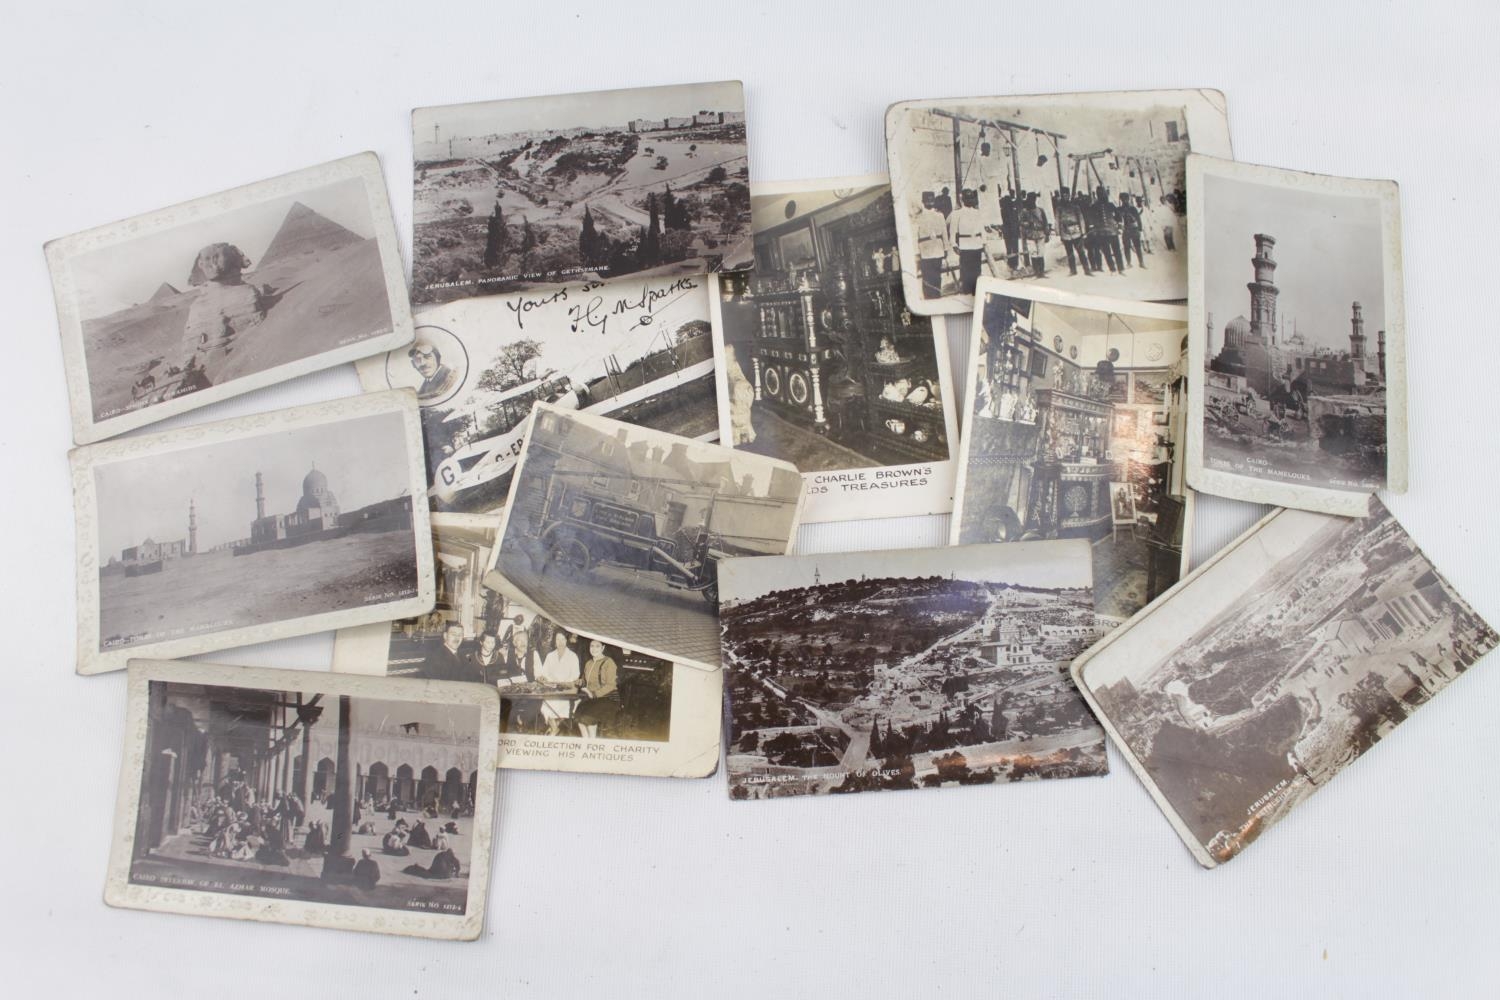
{"x":337,"y":863}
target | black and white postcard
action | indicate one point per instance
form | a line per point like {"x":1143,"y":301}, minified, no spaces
{"x":920,"y":668}
{"x":1299,"y":332}
{"x":567,"y":703}
{"x":822,"y":364}
{"x":1276,"y":664}
{"x":1075,"y":412}
{"x":638,"y":351}
{"x":183,"y":307}
{"x":1082,"y":192}
{"x":358,"y":803}
{"x":554,"y":190}
{"x":251,"y":529}
{"x":616,"y":532}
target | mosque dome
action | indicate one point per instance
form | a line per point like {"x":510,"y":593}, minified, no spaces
{"x":314,"y":482}
{"x":1236,"y":329}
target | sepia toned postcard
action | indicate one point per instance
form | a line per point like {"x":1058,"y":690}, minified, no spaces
{"x":1080,"y":192}
{"x":637,"y":350}
{"x":294,"y":797}
{"x":922,"y":668}
{"x":1075,"y":409}
{"x":616,"y":532}
{"x":1299,"y":331}
{"x":566,"y":703}
{"x":539,"y":191}
{"x":251,"y":529}
{"x":821,"y":363}
{"x":182,"y":307}
{"x":1275,"y":665}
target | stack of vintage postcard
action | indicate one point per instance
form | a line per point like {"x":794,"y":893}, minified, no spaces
{"x":556,"y":531}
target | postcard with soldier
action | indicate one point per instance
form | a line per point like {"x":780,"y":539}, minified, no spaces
{"x":1075,"y":412}
{"x":567,"y":703}
{"x":637,"y":350}
{"x":1082,"y":192}
{"x":616,"y":532}
{"x":251,"y":529}
{"x":539,"y":191}
{"x":918,"y":668}
{"x":821,"y":362}
{"x":182,"y":307}
{"x":1275,"y":665}
{"x":1299,"y":337}
{"x":294,"y":797}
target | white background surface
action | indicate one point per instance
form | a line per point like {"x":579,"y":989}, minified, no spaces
{"x":1381,"y":885}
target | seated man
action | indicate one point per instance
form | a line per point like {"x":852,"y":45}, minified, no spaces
{"x":445,"y":864}
{"x":420,"y":837}
{"x":395,"y":843}
{"x":366,"y":871}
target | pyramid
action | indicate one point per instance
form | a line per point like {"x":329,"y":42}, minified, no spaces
{"x":305,"y":231}
{"x":166,"y":291}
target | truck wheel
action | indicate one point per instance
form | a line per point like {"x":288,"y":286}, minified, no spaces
{"x":570,"y":556}
{"x":711,"y":594}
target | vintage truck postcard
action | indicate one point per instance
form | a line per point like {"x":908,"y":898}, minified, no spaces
{"x":616,"y":532}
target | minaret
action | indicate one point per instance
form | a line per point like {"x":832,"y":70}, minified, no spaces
{"x":1263,"y":291}
{"x":1380,"y":351}
{"x":260,"y":498}
{"x":1208,"y":350}
{"x":192,"y":528}
{"x":1357,"y":336}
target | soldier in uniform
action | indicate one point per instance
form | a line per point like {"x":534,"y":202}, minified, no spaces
{"x":1070,"y":229}
{"x":1130,"y":223}
{"x":1109,"y":217}
{"x":932,"y":248}
{"x":966,"y":233}
{"x":1093,"y":221}
{"x":1035,"y":228}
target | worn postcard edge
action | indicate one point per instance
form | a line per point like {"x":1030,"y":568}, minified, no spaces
{"x":61,"y":251}
{"x":1079,"y":673}
{"x":83,"y":461}
{"x":1208,"y":116}
{"x":120,"y":892}
{"x":1324,"y":500}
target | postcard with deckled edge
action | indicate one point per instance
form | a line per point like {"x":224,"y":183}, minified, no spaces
{"x":1075,"y":410}
{"x":182,"y":307}
{"x":535,"y":191}
{"x":1081,"y":192}
{"x":639,"y":351}
{"x":820,"y":362}
{"x":220,"y":815}
{"x":617,"y":712}
{"x":915,"y":668}
{"x":1303,"y":400}
{"x":251,"y":529}
{"x":1275,"y":665}
{"x":616,"y":532}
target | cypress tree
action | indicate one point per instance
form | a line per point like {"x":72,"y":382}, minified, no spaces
{"x":528,"y":238}
{"x":496,"y":239}
{"x":588,"y":240}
